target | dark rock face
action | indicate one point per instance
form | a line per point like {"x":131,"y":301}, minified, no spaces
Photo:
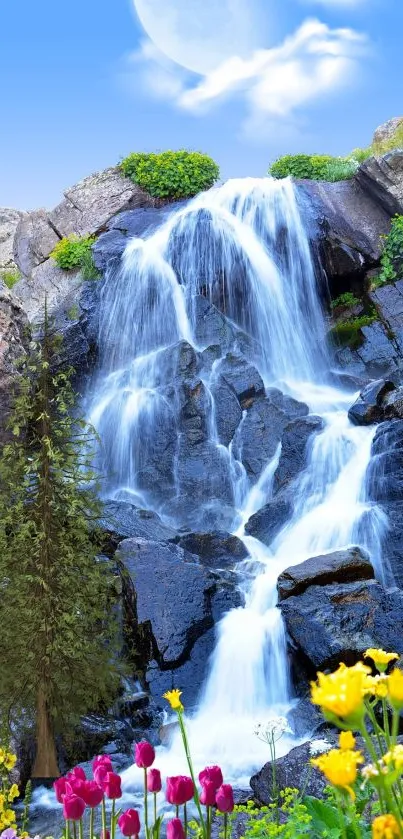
{"x":382,"y":179}
{"x":124,"y":521}
{"x":292,"y":771}
{"x":339,"y":622}
{"x":267,"y":523}
{"x":385,"y":487}
{"x":369,"y":408}
{"x":344,"y":566}
{"x":294,"y":449}
{"x":243,"y":379}
{"x":215,"y":550}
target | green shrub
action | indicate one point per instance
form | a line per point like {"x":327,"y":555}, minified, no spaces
{"x":10,"y":277}
{"x":360,"y":155}
{"x":346,"y":299}
{"x":171,"y":174}
{"x":392,"y":256}
{"x":75,"y":252}
{"x":316,"y":167}
{"x":394,"y":142}
{"x":348,"y":333}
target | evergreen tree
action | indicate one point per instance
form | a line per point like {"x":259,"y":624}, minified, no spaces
{"x":56,"y":630}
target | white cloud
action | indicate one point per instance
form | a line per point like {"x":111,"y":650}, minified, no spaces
{"x":311,"y":63}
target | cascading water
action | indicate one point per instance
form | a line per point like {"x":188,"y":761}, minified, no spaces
{"x":242,"y":247}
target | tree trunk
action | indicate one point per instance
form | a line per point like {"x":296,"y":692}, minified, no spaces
{"x":46,"y":759}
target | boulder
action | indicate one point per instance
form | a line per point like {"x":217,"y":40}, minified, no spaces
{"x":215,"y":550}
{"x":34,"y":239}
{"x":393,"y":404}
{"x":295,"y":443}
{"x":387,"y":130}
{"x":261,"y":431}
{"x":338,"y":622}
{"x":343,"y":566}
{"x":50,"y":281}
{"x":122,"y":520}
{"x":174,"y":594}
{"x":293,"y":771}
{"x":89,"y":205}
{"x":382,"y":179}
{"x":267,"y":523}
{"x":227,"y":410}
{"x":242,"y":377}
{"x":9,"y":221}
{"x":369,"y":407}
{"x":385,"y":489}
{"x":110,"y":245}
{"x":13,"y":344}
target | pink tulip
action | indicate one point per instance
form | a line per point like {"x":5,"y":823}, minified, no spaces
{"x":179,"y":790}
{"x":113,"y":785}
{"x":92,"y":794}
{"x":207,"y":795}
{"x":59,"y":787}
{"x":101,"y":772}
{"x":144,"y":754}
{"x":77,"y":772}
{"x":175,"y":829}
{"x":105,"y":834}
{"x":129,"y":823}
{"x":102,"y":760}
{"x":73,"y":807}
{"x":225,"y":798}
{"x":213,"y":774}
{"x":154,"y":783}
{"x":76,"y":785}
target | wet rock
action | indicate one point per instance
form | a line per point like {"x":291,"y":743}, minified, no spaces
{"x":385,"y":488}
{"x":292,"y":771}
{"x":9,"y":221}
{"x":267,"y":523}
{"x":215,"y":550}
{"x":227,"y":411}
{"x":261,"y":430}
{"x":393,"y":404}
{"x":335,"y":623}
{"x":211,"y":326}
{"x":295,"y":442}
{"x":382,"y":180}
{"x":122,"y":521}
{"x":242,"y":377}
{"x":343,"y":566}
{"x":173,"y":592}
{"x":369,"y":407}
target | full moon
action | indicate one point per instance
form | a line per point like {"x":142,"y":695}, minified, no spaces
{"x":201,"y":34}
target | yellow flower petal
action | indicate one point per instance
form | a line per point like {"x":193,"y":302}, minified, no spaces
{"x":385,"y":827}
{"x":395,"y":688}
{"x":339,"y":767}
{"x":346,"y":740}
{"x":380,"y":658}
{"x":173,"y":697}
{"x":341,"y":693}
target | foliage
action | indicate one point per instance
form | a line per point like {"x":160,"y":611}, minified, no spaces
{"x":348,"y":333}
{"x":314,"y":167}
{"x":10,"y":276}
{"x":393,"y":142}
{"x":171,"y":174}
{"x":75,"y":252}
{"x":55,"y":608}
{"x":290,"y":820}
{"x":360,"y":155}
{"x":346,"y":299}
{"x":392,"y":256}
{"x":8,"y":790}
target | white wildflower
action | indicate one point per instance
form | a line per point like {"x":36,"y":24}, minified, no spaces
{"x":271,"y":729}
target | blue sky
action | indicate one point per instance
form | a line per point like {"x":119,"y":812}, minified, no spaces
{"x":83,"y":83}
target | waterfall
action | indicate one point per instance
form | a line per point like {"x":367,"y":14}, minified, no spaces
{"x":242,"y":247}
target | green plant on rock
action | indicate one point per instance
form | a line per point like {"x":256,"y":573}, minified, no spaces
{"x":75,"y":252}
{"x":317,"y":167}
{"x":57,"y":638}
{"x":346,"y":299}
{"x":348,"y":333}
{"x":10,"y":276}
{"x":171,"y":174}
{"x":392,"y":256}
{"x":339,"y":170}
{"x":290,"y":820}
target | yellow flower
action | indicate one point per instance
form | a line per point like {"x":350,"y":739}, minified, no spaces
{"x":2,"y":755}
{"x":2,"y":802}
{"x":9,"y":761}
{"x":380,"y":658}
{"x":377,"y":686}
{"x":8,"y":817}
{"x":395,"y":756}
{"x":173,"y":697}
{"x":385,"y":827}
{"x":13,"y":792}
{"x":346,"y":740}
{"x":339,"y":767}
{"x":341,"y":694}
{"x":395,"y":689}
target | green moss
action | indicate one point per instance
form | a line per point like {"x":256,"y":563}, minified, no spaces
{"x":10,"y":277}
{"x":348,"y":333}
{"x":171,"y":174}
{"x":75,"y":252}
{"x":392,"y":255}
{"x":346,"y":299}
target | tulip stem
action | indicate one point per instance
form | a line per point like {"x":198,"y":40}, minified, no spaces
{"x":225,"y":825}
{"x":91,"y":823}
{"x":103,"y":817}
{"x":145,"y":803}
{"x":155,"y":807}
{"x":67,"y":829}
{"x":80,"y":828}
{"x":113,"y":820}
{"x":185,"y":819}
{"x":191,"y":770}
{"x":75,"y":830}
